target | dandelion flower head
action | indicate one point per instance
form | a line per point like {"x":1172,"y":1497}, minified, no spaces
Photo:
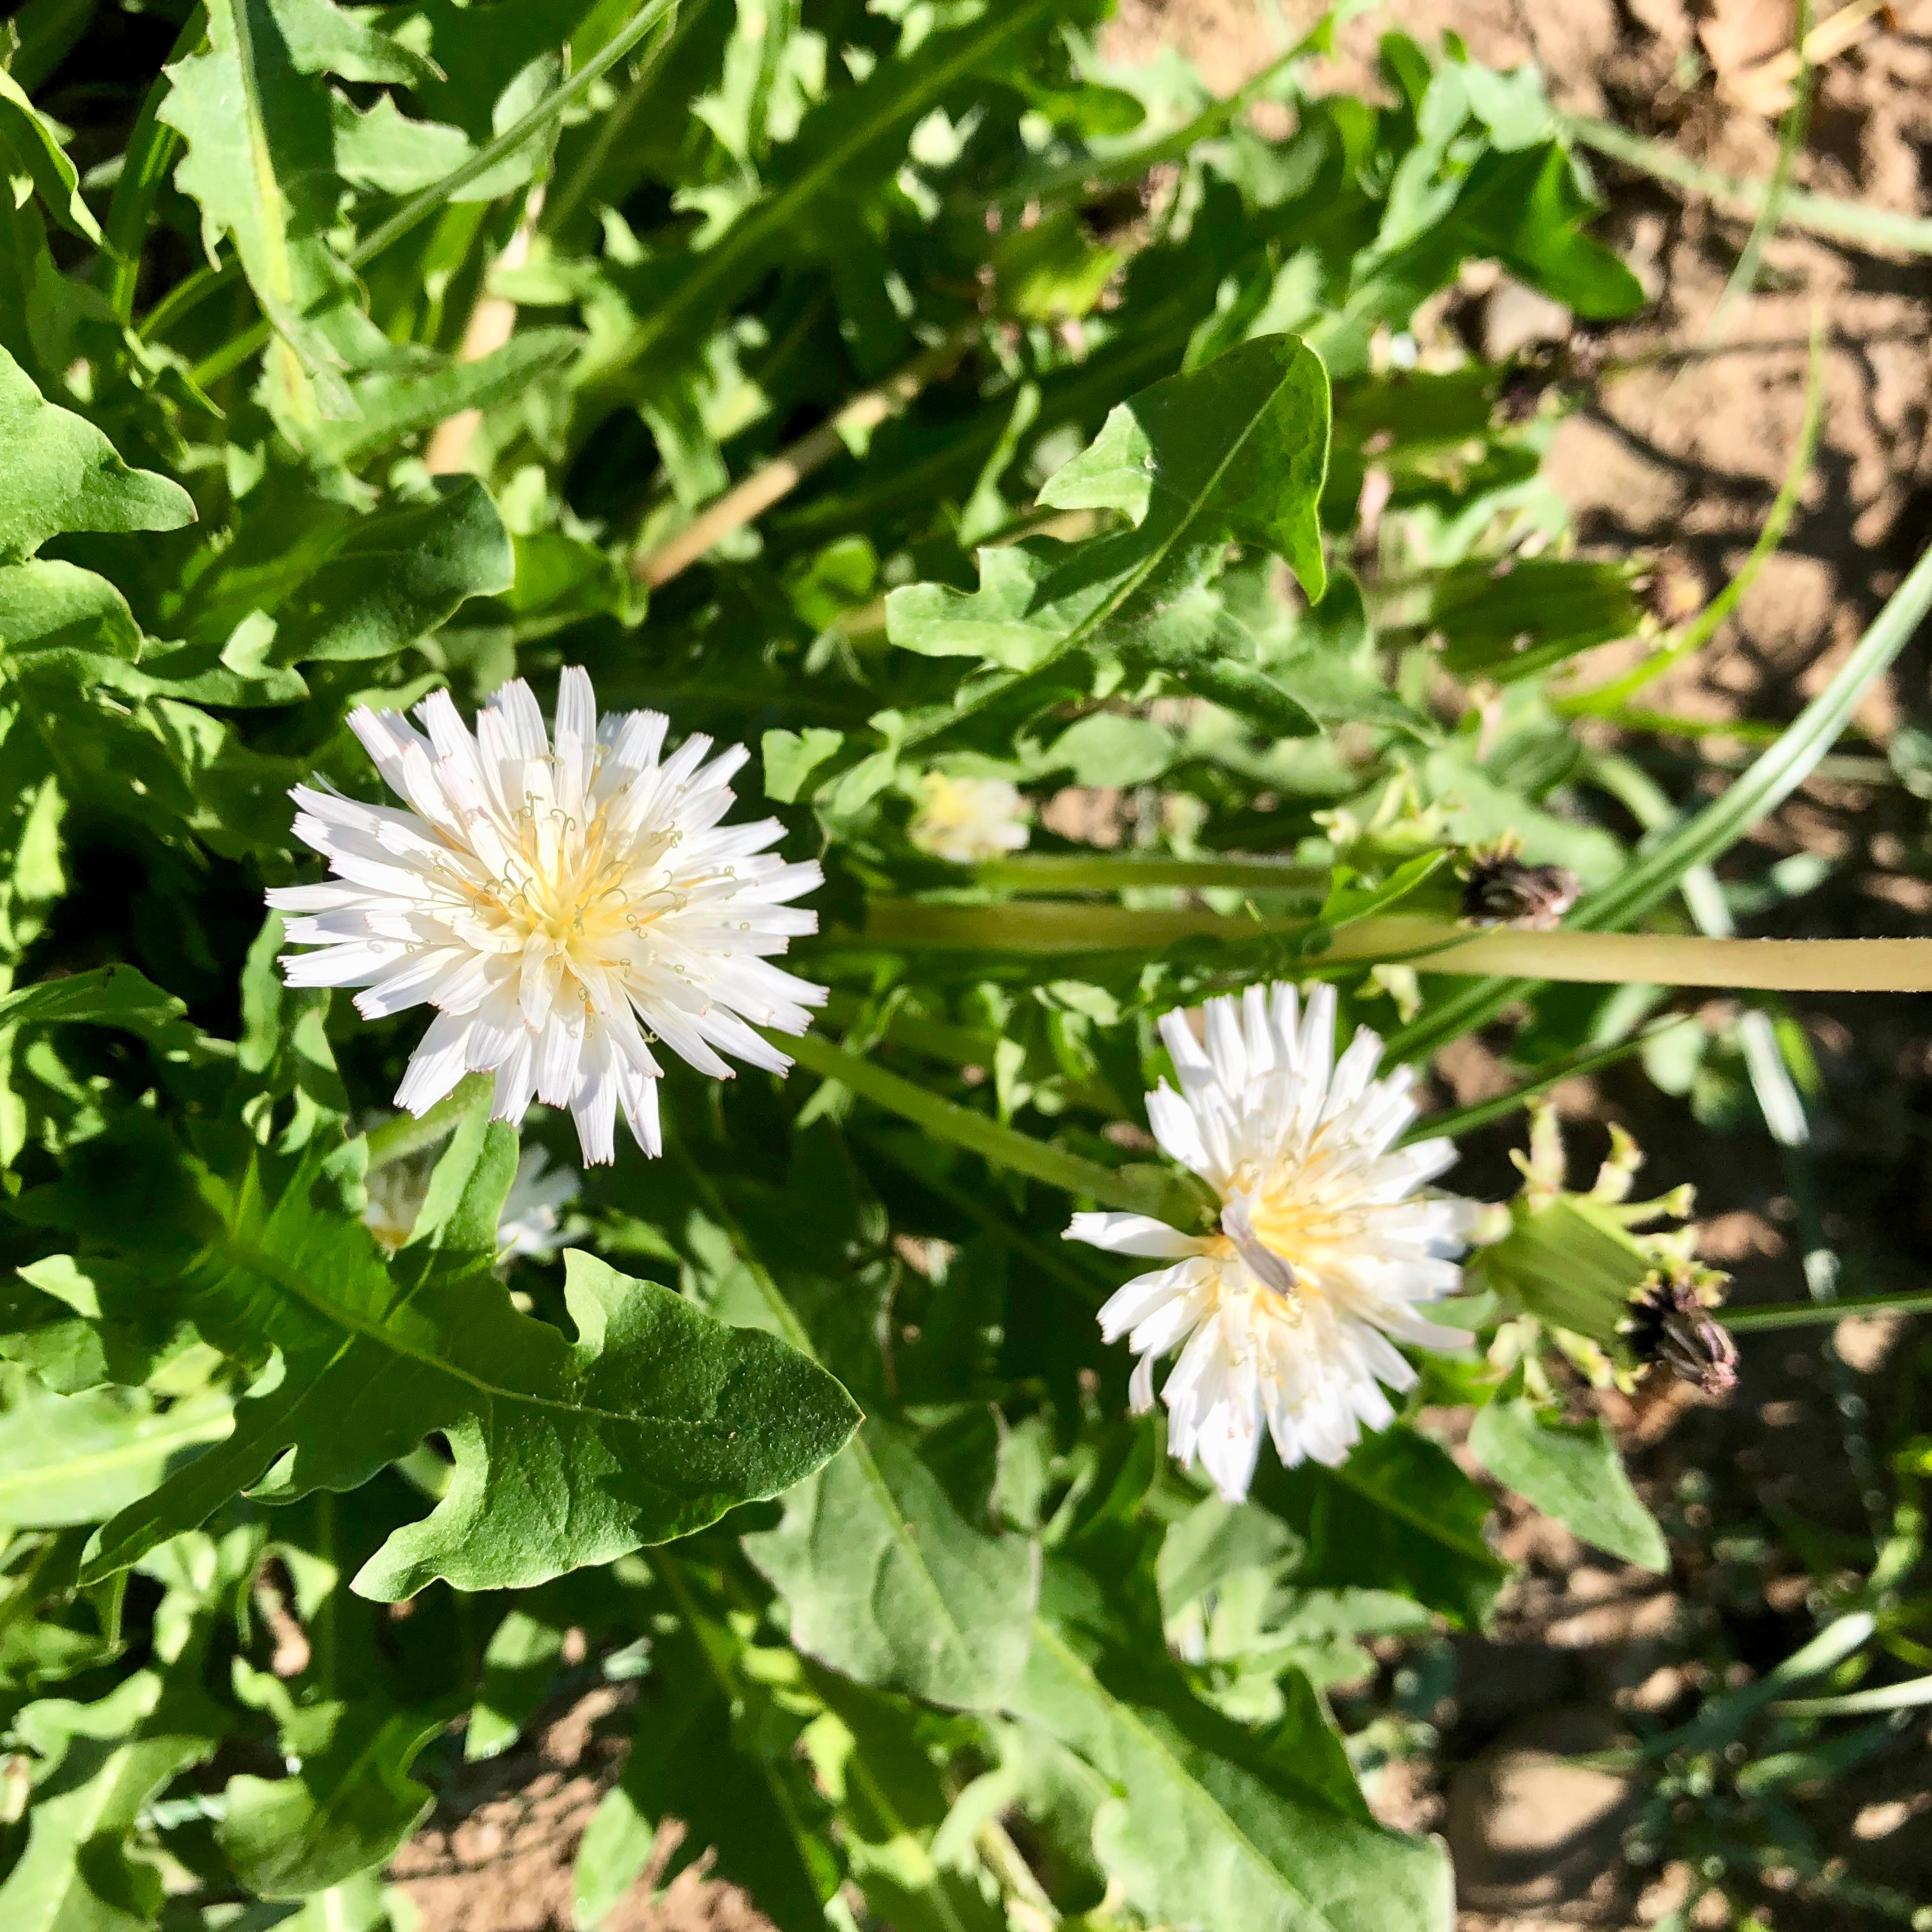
{"x":566,"y":903}
{"x":968,"y":820}
{"x":1286,"y":1318}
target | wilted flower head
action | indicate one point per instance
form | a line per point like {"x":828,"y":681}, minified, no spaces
{"x":564,"y":906}
{"x":968,"y":820}
{"x":1288,"y":1316}
{"x":1672,"y":1324}
{"x":1501,"y":890}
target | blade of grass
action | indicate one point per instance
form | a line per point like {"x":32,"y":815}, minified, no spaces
{"x":1460,"y":1120}
{"x":1792,"y":129}
{"x":1609,"y":700}
{"x":151,"y":151}
{"x":1809,"y":1314}
{"x":1907,"y":1696}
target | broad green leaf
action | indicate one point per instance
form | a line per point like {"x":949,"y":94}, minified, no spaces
{"x":1217,"y":1827}
{"x":1235,"y":452}
{"x":49,"y":606}
{"x":807,"y":189}
{"x":487,"y":82}
{"x":1398,"y":1515}
{"x":1240,"y":447}
{"x":97,"y":1766}
{"x":347,"y":1809}
{"x":893,"y":1804}
{"x":76,"y":1459}
{"x":62,"y":475}
{"x":78,"y":1322}
{"x":262,"y":163}
{"x":394,"y":578}
{"x":657,"y":1419}
{"x":887,"y":1583}
{"x":1105,"y":749}
{"x":108,"y":996}
{"x":1572,"y":1471}
{"x":391,"y":407}
{"x":792,"y":757}
{"x":518,"y":1665}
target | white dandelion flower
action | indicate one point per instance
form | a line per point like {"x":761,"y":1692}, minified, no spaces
{"x":564,"y":908}
{"x":967,"y":820}
{"x":1289,"y":1314}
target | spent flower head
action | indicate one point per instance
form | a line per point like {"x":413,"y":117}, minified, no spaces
{"x":1287,"y":1318}
{"x":565,"y":906}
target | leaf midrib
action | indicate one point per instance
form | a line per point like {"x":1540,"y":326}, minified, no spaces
{"x":1104,"y":612}
{"x":272,"y":204}
{"x":246,"y":1255}
{"x":796,"y":1334}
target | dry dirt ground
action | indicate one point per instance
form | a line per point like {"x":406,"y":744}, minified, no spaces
{"x":1680,"y":449}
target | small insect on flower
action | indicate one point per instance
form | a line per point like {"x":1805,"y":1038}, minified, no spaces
{"x":1287,"y":1317}
{"x":564,"y":908}
{"x":968,"y":820}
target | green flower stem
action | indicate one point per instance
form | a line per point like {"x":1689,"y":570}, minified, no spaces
{"x":1431,"y":946}
{"x":1165,"y":1196}
{"x":409,"y":1133}
{"x":1091,"y":872}
{"x":1805,"y":1314}
{"x":1821,"y":215}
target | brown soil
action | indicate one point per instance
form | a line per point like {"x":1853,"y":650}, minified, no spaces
{"x":1680,"y":450}
{"x":497,"y":1854}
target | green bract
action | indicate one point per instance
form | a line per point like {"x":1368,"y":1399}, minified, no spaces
{"x":893,"y":390}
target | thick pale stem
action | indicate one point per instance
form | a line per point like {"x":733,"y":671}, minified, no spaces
{"x":1096,"y":872}
{"x":1822,"y":214}
{"x":1431,"y":946}
{"x":784,"y":472}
